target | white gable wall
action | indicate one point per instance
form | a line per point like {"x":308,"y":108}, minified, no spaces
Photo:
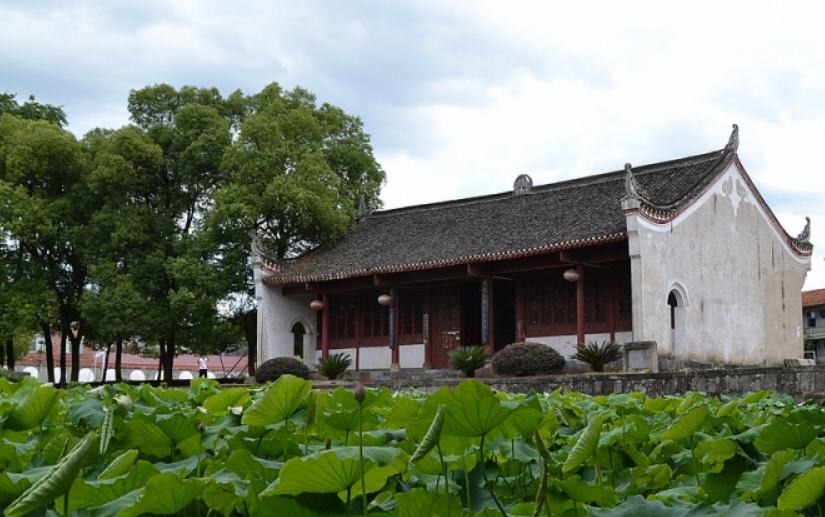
{"x":738,"y":280}
{"x":277,"y":314}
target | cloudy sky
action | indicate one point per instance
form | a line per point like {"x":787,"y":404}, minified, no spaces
{"x":462,"y":96}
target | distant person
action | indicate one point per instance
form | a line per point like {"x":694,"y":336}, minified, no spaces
{"x":202,"y":360}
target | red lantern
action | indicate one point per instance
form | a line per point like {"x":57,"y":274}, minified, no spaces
{"x":385,"y":299}
{"x":316,"y":305}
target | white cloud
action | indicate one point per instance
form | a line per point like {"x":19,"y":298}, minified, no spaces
{"x":463,"y":96}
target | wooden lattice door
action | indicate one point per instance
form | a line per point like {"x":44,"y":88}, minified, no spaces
{"x":447,"y":328}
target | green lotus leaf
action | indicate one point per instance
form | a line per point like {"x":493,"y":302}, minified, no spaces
{"x":57,"y":482}
{"x":12,"y":484}
{"x":719,"y":486}
{"x":165,"y":494}
{"x":376,"y":478}
{"x":113,"y":508}
{"x":418,"y":502}
{"x":287,"y":506}
{"x":755,"y":397}
{"x":226,"y":492}
{"x":763,"y":483}
{"x":145,"y":436}
{"x":90,"y":411}
{"x":585,"y":446}
{"x":654,"y":477}
{"x":219,"y":403}
{"x":473,"y":410}
{"x":34,"y":409}
{"x":403,"y":412}
{"x":687,"y":424}
{"x":779,"y":435}
{"x":584,"y":492}
{"x":805,"y":490}
{"x":323,"y":473}
{"x":119,"y":466}
{"x":716,"y":451}
{"x":88,"y":494}
{"x":279,"y":402}
{"x":727,"y":409}
{"x":523,"y":421}
{"x":247,"y":466}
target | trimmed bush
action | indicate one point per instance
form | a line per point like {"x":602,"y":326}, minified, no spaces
{"x":523,"y":359}
{"x":468,"y":359}
{"x":272,"y":369}
{"x":598,"y":355}
{"x":334,"y":365}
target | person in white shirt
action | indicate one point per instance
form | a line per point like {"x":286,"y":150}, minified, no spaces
{"x":202,"y":362}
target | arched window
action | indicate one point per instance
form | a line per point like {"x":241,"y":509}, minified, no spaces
{"x":677,"y":302}
{"x":298,"y":332}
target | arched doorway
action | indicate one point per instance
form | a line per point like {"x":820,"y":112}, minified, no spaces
{"x":298,"y":332}
{"x":677,"y":302}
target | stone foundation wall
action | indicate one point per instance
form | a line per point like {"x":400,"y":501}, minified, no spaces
{"x":802,"y":383}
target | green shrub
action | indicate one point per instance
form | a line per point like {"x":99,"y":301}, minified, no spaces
{"x":272,"y":369}
{"x":597,"y":355}
{"x":334,"y":365}
{"x":12,"y":376}
{"x":523,"y":359}
{"x":468,"y":359}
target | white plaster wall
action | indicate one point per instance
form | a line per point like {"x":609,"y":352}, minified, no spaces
{"x":411,"y":356}
{"x":741,"y":279}
{"x":276,"y":316}
{"x":375,"y":358}
{"x":566,"y":345}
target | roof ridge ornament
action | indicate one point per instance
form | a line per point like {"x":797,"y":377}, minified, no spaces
{"x":523,"y":184}
{"x":631,"y":186}
{"x":805,"y":236}
{"x":733,"y":141}
{"x":259,"y":248}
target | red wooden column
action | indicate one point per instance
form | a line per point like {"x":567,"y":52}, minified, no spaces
{"x":426,"y":334}
{"x":325,"y":326}
{"x":580,"y":304}
{"x":521,"y":317}
{"x":491,"y":313}
{"x":612,"y":306}
{"x":396,"y":362}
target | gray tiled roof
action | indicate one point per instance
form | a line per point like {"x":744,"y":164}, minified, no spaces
{"x":556,"y":216}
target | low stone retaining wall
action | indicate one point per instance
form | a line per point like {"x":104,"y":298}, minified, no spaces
{"x":802,"y":383}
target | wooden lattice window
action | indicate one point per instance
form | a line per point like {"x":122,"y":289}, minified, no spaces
{"x":551,"y":306}
{"x":410,"y":317}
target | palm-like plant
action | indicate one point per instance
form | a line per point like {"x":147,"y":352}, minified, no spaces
{"x":598,"y":355}
{"x":468,"y":359}
{"x":334,"y":365}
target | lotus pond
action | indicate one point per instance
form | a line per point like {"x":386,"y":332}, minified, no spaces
{"x":286,"y":449}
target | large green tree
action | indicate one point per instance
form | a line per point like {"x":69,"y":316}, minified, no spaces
{"x":44,"y":216}
{"x":32,"y":110}
{"x":144,"y":231}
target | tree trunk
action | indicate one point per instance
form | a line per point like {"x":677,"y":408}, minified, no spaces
{"x":10,"y":353}
{"x":75,"y":340}
{"x":47,"y":337}
{"x":63,"y":337}
{"x":119,"y":359}
{"x":169,"y":359}
{"x":105,"y":368}
{"x":2,"y":356}
{"x":250,"y":328}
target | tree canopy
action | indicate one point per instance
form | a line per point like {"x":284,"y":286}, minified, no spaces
{"x":144,"y":231}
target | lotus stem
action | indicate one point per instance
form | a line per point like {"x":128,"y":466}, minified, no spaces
{"x":361,"y":458}
{"x":487,"y":481}
{"x":446,"y":481}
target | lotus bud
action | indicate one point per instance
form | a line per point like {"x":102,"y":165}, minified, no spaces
{"x":359,"y":392}
{"x":124,"y":401}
